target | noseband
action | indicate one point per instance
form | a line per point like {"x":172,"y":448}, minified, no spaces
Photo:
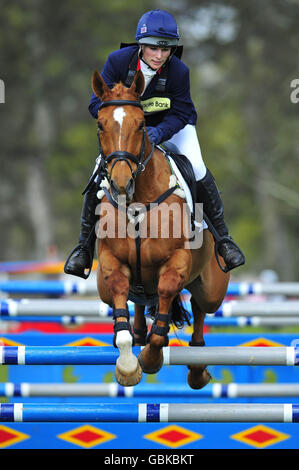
{"x":121,"y":155}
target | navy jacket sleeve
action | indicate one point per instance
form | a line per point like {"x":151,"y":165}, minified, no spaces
{"x":182,"y":111}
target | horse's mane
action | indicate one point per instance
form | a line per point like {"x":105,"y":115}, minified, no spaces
{"x":121,"y":91}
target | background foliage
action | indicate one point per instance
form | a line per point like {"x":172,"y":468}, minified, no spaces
{"x":242,"y":56}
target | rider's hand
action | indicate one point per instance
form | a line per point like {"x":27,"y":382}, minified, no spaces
{"x":154,"y":135}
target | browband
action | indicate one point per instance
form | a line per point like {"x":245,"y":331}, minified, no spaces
{"x":121,"y":103}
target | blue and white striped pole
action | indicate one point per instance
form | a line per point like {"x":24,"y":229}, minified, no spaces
{"x":167,"y":390}
{"x":49,"y":287}
{"x":69,"y":287}
{"x":149,"y":413}
{"x":60,"y":307}
{"x":174,"y":355}
{"x":240,"y":307}
{"x":49,"y":355}
{"x":56,"y":307}
{"x":238,"y":322}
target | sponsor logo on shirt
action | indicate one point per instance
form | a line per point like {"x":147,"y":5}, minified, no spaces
{"x":154,"y":105}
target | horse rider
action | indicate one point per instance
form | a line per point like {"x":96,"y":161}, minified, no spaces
{"x":170,"y":116}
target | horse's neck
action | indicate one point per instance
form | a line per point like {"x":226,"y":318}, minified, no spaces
{"x":154,"y":180}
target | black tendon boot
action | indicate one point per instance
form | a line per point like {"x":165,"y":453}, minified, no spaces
{"x":79,"y":262}
{"x":208,"y":194}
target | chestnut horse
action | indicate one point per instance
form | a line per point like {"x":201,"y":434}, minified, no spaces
{"x":135,"y":172}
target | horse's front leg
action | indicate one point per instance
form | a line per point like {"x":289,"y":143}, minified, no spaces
{"x":173,"y":276}
{"x":113,"y":283}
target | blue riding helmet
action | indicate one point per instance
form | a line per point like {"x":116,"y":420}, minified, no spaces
{"x":157,"y":28}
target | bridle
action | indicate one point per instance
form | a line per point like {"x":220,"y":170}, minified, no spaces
{"x":122,"y":155}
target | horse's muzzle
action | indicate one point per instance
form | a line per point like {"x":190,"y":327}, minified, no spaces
{"x":128,"y":191}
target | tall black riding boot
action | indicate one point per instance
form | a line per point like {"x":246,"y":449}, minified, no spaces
{"x":79,"y":262}
{"x":208,"y":194}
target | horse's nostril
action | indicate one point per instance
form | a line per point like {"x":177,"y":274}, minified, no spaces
{"x":130,"y":187}
{"x":114,"y":188}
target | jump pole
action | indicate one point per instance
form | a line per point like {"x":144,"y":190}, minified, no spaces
{"x":239,"y":322}
{"x":241,"y":307}
{"x":148,"y":413}
{"x":113,"y":390}
{"x":174,"y":355}
{"x":83,"y":287}
{"x":97,"y":308}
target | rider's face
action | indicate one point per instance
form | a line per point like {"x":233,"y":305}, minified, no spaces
{"x":154,"y":56}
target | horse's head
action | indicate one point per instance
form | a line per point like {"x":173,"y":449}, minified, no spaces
{"x":122,"y":134}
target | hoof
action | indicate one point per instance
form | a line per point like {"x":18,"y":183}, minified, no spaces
{"x":150,"y":365}
{"x":198,"y":377}
{"x":128,"y":380}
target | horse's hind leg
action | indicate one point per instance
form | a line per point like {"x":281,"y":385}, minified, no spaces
{"x":198,"y":376}
{"x":140,"y":328}
{"x":208,"y":292}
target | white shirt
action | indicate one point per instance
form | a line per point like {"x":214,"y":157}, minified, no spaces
{"x":148,"y":73}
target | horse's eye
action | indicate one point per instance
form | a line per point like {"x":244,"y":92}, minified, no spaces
{"x":141,"y":126}
{"x":100,"y":127}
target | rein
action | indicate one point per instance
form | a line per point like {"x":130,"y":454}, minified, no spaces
{"x":141,"y":163}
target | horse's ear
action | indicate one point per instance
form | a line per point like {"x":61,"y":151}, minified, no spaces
{"x":138,"y":83}
{"x":99,"y":87}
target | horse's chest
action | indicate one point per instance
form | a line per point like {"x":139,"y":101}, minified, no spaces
{"x":151,"y":252}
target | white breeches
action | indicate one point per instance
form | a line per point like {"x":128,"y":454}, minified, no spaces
{"x":187,"y":142}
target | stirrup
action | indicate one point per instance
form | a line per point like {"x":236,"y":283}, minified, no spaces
{"x":80,"y":272}
{"x":218,"y":243}
{"x":219,"y":240}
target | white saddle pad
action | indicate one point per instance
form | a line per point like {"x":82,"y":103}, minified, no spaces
{"x":199,"y":226}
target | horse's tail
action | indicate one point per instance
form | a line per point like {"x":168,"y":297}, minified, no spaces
{"x":179,"y":315}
